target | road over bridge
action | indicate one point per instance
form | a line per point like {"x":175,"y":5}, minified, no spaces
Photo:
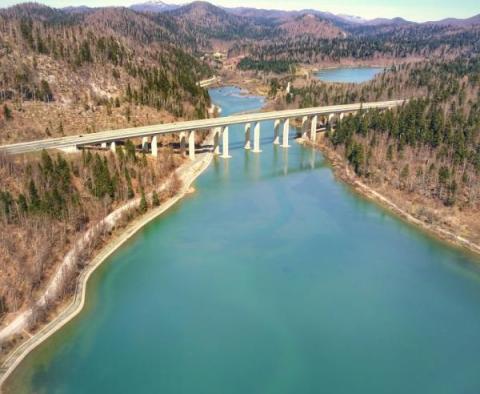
{"x":186,"y":129}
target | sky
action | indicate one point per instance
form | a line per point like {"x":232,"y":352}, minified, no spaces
{"x":414,"y":10}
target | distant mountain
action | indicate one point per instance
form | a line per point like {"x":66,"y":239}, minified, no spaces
{"x":474,"y":20}
{"x":249,"y":12}
{"x":276,"y":16}
{"x":77,"y":10}
{"x":279,"y":15}
{"x":154,"y":6}
{"x":352,"y":18}
{"x":385,"y":21}
{"x":208,"y":20}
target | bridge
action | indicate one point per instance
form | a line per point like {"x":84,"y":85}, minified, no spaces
{"x":310,"y":118}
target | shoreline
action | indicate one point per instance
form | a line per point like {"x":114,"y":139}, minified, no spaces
{"x":189,"y":172}
{"x":436,"y":231}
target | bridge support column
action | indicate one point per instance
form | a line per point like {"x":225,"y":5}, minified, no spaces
{"x":286,"y":129}
{"x":216,"y":141}
{"x":304,"y":127}
{"x":183,"y":138}
{"x":191,"y":145}
{"x":145,"y":143}
{"x":341,"y":116}
{"x":225,"y":154}
{"x":248,"y":127}
{"x":330,"y":119}
{"x":113,"y":146}
{"x":154,"y":146}
{"x":313,"y":128}
{"x":104,"y":145}
{"x":276,"y":127}
{"x":256,"y":138}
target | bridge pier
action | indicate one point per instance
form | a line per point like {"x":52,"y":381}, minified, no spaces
{"x":113,"y":146}
{"x":313,"y":128}
{"x":256,"y":138}
{"x":103,"y":145}
{"x":216,"y":140}
{"x":304,"y":127}
{"x":248,"y":127}
{"x":191,"y":145}
{"x":286,"y":129}
{"x":183,"y":144}
{"x":154,"y":146}
{"x":276,"y":127}
{"x":145,"y":143}
{"x":225,"y":154}
{"x":330,"y":118}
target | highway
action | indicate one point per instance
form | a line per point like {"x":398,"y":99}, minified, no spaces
{"x":169,"y":128}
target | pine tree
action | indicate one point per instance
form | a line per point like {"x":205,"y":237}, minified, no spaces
{"x":143,"y":203}
{"x":34,"y":197}
{"x":155,"y":199}
{"x":7,"y":112}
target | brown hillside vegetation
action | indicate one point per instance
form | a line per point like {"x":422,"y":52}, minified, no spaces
{"x":47,"y":202}
{"x":312,"y":25}
{"x":107,"y":68}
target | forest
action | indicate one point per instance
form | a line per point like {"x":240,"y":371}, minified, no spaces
{"x":362,"y":44}
{"x":430,"y":146}
{"x":119,"y":67}
{"x":48,"y":202}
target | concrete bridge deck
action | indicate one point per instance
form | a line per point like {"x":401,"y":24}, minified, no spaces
{"x":184,"y":127}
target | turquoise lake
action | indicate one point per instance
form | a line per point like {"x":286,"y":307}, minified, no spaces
{"x":348,"y":74}
{"x":272,"y":278}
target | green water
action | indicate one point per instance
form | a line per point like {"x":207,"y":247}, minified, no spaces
{"x":271,"y":278}
{"x":348,"y":74}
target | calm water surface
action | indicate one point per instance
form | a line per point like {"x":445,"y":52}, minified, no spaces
{"x":272,"y":278}
{"x":348,"y":74}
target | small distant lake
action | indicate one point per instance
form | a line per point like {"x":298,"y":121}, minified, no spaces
{"x":348,"y":74}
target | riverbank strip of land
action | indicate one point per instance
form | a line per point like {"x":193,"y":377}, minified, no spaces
{"x":188,"y":173}
{"x":344,"y":173}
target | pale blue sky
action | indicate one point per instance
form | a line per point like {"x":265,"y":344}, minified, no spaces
{"x":416,"y":10}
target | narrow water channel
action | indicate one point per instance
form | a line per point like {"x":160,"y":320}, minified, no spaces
{"x":272,"y":278}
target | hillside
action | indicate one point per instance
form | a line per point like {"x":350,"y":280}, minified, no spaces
{"x":214,"y":22}
{"x":311,"y":25}
{"x":65,"y":73}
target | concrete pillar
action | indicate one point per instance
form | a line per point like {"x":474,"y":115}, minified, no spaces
{"x":145,"y":143}
{"x":276,"y":127}
{"x":113,"y":147}
{"x":225,"y":154}
{"x":286,"y":129}
{"x":330,"y":118}
{"x":248,"y":126}
{"x":342,"y":115}
{"x":313,"y":128}
{"x":216,"y":140}
{"x":182,"y":143}
{"x":154,"y":146}
{"x":104,"y":145}
{"x":304,"y":127}
{"x":256,"y":138}
{"x":191,"y":145}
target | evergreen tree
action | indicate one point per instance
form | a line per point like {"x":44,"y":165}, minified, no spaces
{"x":143,"y":203}
{"x":155,"y":199}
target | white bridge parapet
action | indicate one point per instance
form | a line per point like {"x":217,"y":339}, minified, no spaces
{"x":219,"y":124}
